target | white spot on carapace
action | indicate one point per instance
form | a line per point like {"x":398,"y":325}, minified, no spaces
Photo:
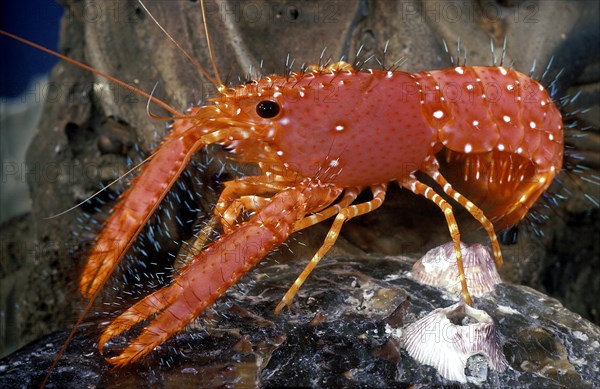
{"x":339,"y":127}
{"x":442,"y":99}
{"x":542,"y":180}
{"x":238,"y":111}
{"x":475,"y":122}
{"x":541,"y":87}
{"x":506,"y":118}
{"x":502,"y":71}
{"x":523,"y":199}
{"x":478,"y":79}
{"x":518,"y":98}
{"x":532,"y":124}
{"x":301,"y":93}
{"x":542,"y":103}
{"x":500,"y":147}
{"x":459,"y":70}
{"x":552,"y":168}
{"x":422,"y":101}
{"x":284,"y":121}
{"x":519,"y":150}
{"x":470,"y":87}
{"x":483,"y":96}
{"x":389,"y":74}
{"x":279,"y":152}
{"x":276,"y":94}
{"x":334,"y":162}
{"x":468,"y":148}
{"x":550,"y":137}
{"x":510,"y":87}
{"x":438,"y":114}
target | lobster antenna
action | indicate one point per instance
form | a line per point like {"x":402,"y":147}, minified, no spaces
{"x":217,"y":82}
{"x":164,"y":105}
{"x":220,"y":86}
{"x":101,"y":190}
{"x":153,"y":116}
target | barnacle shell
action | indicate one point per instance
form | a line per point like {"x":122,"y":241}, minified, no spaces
{"x":438,"y":268}
{"x":447,"y":337}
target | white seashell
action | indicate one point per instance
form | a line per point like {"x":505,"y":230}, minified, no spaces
{"x":438,"y":268}
{"x":447,"y":337}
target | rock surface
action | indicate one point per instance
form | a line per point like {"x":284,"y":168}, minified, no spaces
{"x":334,"y":336}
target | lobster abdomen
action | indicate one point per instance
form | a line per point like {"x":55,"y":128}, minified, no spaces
{"x":502,"y":133}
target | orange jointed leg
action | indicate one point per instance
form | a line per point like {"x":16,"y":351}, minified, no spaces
{"x":344,"y":215}
{"x":421,"y":189}
{"x":242,"y":187}
{"x":241,"y":204}
{"x":349,"y":196}
{"x":473,"y":210}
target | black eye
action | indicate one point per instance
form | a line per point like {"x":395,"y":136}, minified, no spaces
{"x":267,"y":109}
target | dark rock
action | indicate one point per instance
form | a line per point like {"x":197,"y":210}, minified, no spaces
{"x":334,"y":336}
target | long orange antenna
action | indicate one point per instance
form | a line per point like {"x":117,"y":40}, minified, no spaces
{"x":95,"y":71}
{"x":216,"y":81}
{"x":221,"y":87}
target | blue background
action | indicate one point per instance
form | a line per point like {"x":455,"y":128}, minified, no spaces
{"x":37,"y":21}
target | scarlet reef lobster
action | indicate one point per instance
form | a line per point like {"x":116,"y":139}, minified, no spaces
{"x":321,"y":137}
{"x":307,"y":132}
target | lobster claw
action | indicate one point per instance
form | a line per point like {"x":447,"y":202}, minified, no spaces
{"x":196,"y":287}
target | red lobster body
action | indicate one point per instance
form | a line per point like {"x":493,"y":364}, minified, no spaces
{"x":380,"y":126}
{"x":327,"y":135}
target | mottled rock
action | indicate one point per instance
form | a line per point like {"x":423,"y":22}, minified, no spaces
{"x":334,"y":336}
